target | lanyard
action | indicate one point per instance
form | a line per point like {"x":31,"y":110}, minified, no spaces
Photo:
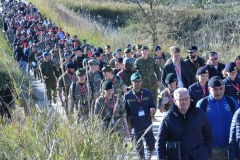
{"x":236,"y":87}
{"x":170,"y":95}
{"x":83,"y":92}
{"x":109,"y":107}
{"x":204,"y":90}
{"x":177,"y":68}
{"x":70,"y":77}
{"x":139,"y":100}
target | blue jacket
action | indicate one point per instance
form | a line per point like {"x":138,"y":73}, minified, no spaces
{"x":230,"y":90}
{"x":220,"y":116}
{"x":132,"y":107}
{"x":196,"y":92}
{"x":234,"y":137}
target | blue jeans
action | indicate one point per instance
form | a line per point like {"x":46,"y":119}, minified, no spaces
{"x":22,"y":65}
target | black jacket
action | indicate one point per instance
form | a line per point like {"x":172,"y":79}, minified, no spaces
{"x":213,"y":72}
{"x":19,"y":55}
{"x":197,"y":140}
{"x":187,"y":77}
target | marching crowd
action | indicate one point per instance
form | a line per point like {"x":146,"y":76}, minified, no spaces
{"x":124,"y":88}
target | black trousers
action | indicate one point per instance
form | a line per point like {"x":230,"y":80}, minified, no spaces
{"x":137,"y":134}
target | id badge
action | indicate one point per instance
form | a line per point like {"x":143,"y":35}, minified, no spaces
{"x":141,"y":113}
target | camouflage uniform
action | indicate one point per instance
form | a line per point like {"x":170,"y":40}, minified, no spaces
{"x":104,"y":108}
{"x":126,"y":76}
{"x":118,"y":85}
{"x":165,"y":93}
{"x":56,"y":63}
{"x":112,"y":62}
{"x":36,"y":72}
{"x":107,"y":57}
{"x":96,"y":78}
{"x":81,"y":99}
{"x":147,"y":68}
{"x":47,"y":70}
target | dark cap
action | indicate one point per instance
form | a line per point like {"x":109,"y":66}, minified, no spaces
{"x":135,"y":76}
{"x":126,"y":61}
{"x":84,"y":39}
{"x":78,"y":49}
{"x":230,"y":66}
{"x":81,"y":72}
{"x":85,"y":61}
{"x":95,"y":54}
{"x":66,"y":55}
{"x":192,"y":48}
{"x":70,"y":65}
{"x":93,"y":62}
{"x":215,"y":81}
{"x":118,"y":50}
{"x":128,"y":45}
{"x":127,"y":50}
{"x":171,"y":77}
{"x":156,"y":48}
{"x":106,"y":85}
{"x":144,"y":47}
{"x":138,"y":46}
{"x":202,"y":70}
{"x":120,"y":60}
{"x":107,"y":68}
{"x":100,"y":50}
{"x":45,"y":54}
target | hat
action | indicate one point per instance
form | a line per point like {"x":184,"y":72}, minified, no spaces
{"x":95,"y":54}
{"x":135,"y":76}
{"x":127,"y":50}
{"x":192,"y":48}
{"x":128,"y":45}
{"x":118,"y":50}
{"x":45,"y":54}
{"x":230,"y":66}
{"x":120,"y":60}
{"x":126,"y":61}
{"x":66,"y":55}
{"x":106,"y":85}
{"x":85,"y":61}
{"x":93,"y":62}
{"x":78,"y":49}
{"x":70,"y":65}
{"x":171,"y":77}
{"x":81,"y":71}
{"x":138,"y":46}
{"x":84,"y":39}
{"x":107,"y":68}
{"x":100,"y":50}
{"x":156,"y":48}
{"x":215,"y":81}
{"x":202,"y":70}
{"x":144,"y":47}
{"x":74,"y":49}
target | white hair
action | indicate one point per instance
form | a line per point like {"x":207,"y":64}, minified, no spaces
{"x":180,"y":91}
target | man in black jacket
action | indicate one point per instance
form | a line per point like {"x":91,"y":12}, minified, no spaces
{"x":214,"y":67}
{"x":20,"y":57}
{"x":187,"y":124}
{"x":180,"y":68}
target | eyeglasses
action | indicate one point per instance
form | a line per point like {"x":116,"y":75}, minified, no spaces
{"x":214,"y":59}
{"x":184,"y":99}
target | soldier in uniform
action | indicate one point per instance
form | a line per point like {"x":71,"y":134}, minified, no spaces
{"x":66,"y":61}
{"x":118,"y":55}
{"x":107,"y":55}
{"x":165,"y":100}
{"x":110,"y":109}
{"x":138,"y":53}
{"x":33,"y":63}
{"x":118,"y":84}
{"x":81,"y":95}
{"x":146,"y":66}
{"x":128,"y":54}
{"x":64,"y":82}
{"x":127,"y":71}
{"x":194,"y":60}
{"x":56,"y":63}
{"x":49,"y":77}
{"x":95,"y":75}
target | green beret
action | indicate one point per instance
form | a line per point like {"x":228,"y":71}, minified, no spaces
{"x":106,"y":85}
{"x":107,"y":68}
{"x":139,"y":46}
{"x":127,"y":50}
{"x":171,"y":77}
{"x":81,"y":71}
{"x":135,"y":76}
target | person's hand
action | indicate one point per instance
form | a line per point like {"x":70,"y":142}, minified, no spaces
{"x":152,"y":110}
{"x":165,"y":100}
{"x":45,"y":77}
{"x":127,"y":133}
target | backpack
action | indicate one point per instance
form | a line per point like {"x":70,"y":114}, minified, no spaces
{"x":74,"y":87}
{"x":228,"y":99}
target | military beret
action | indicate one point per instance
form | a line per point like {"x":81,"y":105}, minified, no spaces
{"x":70,"y":65}
{"x":202,"y":70}
{"x":106,"y":85}
{"x":134,"y":47}
{"x":192,"y":48}
{"x":66,"y":55}
{"x":126,"y":61}
{"x":84,"y":39}
{"x":156,"y":48}
{"x":135,"y":76}
{"x":128,"y":45}
{"x":171,"y":77}
{"x":118,"y":50}
{"x":127,"y":50}
{"x":230,"y":66}
{"x":107,"y":68}
{"x":81,"y":72}
{"x":74,"y":49}
{"x":93,"y":62}
{"x":100,"y":50}
{"x":215,"y":81}
{"x":144,"y":47}
{"x":120,"y":60}
{"x":78,"y":49}
{"x":138,"y":46}
{"x":45,"y":54}
{"x":95,"y":54}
